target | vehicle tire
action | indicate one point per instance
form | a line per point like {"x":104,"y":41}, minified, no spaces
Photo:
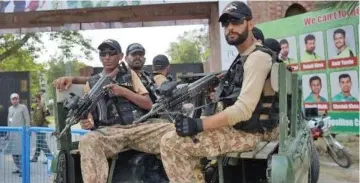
{"x":314,"y":166}
{"x":345,"y":155}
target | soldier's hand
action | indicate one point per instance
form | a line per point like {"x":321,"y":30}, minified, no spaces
{"x":220,"y":76}
{"x":186,"y":126}
{"x":87,"y":123}
{"x":116,"y":89}
{"x":63,"y":83}
{"x":212,"y":96}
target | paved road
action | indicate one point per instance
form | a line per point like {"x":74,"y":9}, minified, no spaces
{"x":330,"y":172}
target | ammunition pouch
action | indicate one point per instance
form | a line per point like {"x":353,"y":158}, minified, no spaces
{"x":231,"y":90}
{"x":115,"y":110}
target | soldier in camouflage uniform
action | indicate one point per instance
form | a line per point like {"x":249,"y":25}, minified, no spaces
{"x":108,"y":138}
{"x":39,"y":114}
{"x":246,"y":119}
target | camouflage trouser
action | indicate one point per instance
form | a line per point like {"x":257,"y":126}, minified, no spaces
{"x":95,"y":147}
{"x":181,"y":156}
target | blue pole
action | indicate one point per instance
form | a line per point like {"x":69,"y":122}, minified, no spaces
{"x":23,"y":152}
{"x":27,"y":155}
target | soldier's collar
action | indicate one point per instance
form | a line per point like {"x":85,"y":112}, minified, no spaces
{"x":103,"y":73}
{"x":250,"y":49}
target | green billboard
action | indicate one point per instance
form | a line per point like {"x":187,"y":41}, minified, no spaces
{"x":323,"y":47}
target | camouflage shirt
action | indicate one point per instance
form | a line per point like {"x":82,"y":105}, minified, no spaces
{"x":39,"y":114}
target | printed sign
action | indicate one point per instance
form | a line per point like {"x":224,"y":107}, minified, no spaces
{"x":323,"y":48}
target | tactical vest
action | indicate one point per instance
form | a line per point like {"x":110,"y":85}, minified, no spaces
{"x":232,"y":84}
{"x":119,"y":110}
{"x":149,"y":83}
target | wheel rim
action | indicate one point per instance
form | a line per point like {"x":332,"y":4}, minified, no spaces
{"x":338,"y":156}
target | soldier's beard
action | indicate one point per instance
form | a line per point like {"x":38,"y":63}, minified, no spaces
{"x":240,"y":39}
{"x":136,"y":66}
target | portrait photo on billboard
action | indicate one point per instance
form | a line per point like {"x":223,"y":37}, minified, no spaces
{"x":311,"y":47}
{"x":288,"y":52}
{"x":341,"y":46}
{"x":344,"y":86}
{"x":315,"y":90}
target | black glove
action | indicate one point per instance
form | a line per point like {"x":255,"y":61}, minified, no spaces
{"x":186,"y":126}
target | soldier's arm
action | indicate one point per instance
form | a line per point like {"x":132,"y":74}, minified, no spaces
{"x":256,"y":69}
{"x":159,"y":79}
{"x":65,"y":82}
{"x":141,"y":96}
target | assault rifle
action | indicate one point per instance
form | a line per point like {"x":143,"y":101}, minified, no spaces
{"x":79,"y":108}
{"x":171,"y":96}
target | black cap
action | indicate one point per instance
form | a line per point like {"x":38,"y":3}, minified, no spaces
{"x":258,"y":34}
{"x":112,"y":43}
{"x":236,"y":9}
{"x":160,"y":62}
{"x":273,"y":44}
{"x":134,"y":47}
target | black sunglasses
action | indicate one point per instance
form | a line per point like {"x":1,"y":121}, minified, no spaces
{"x":234,"y":21}
{"x":110,"y":52}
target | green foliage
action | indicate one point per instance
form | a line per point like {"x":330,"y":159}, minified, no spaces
{"x":23,"y":61}
{"x":18,"y":53}
{"x":10,"y":44}
{"x":191,"y":47}
{"x":349,"y":6}
{"x":68,"y":40}
{"x":57,"y":68}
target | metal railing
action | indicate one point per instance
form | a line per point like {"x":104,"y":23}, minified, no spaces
{"x":26,"y":153}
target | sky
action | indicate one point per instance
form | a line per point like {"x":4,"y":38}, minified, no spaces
{"x":156,"y":40}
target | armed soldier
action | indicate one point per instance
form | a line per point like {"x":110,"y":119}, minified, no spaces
{"x":135,"y":58}
{"x":246,"y":119}
{"x":108,"y":138}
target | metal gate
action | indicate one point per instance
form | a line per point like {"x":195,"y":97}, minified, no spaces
{"x":13,"y":82}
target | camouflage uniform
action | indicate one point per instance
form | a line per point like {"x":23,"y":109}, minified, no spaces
{"x":181,"y":156}
{"x":96,"y":146}
{"x":39,"y":119}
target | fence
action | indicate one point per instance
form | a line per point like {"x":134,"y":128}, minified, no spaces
{"x":20,"y":145}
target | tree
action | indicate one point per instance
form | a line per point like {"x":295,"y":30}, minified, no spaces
{"x":10,"y":44}
{"x":349,"y":6}
{"x":56,"y":68}
{"x":191,"y":47}
{"x":18,"y":52}
{"x":23,"y":61}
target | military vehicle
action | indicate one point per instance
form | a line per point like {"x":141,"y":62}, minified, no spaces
{"x":292,"y":158}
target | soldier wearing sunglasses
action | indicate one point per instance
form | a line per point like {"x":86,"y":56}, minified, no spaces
{"x":135,"y":58}
{"x":246,"y":119}
{"x":118,"y":132}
